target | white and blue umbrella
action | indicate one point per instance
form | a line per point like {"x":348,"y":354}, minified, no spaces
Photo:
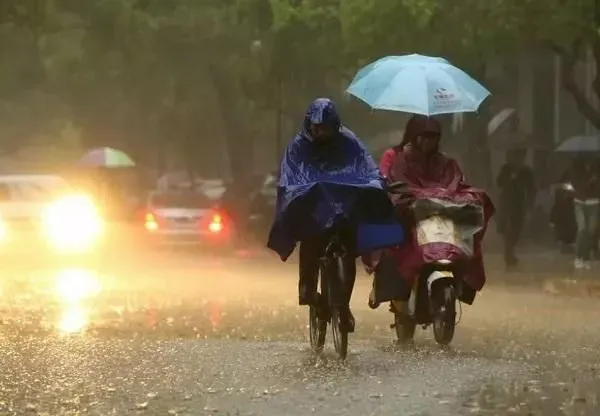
{"x":417,"y":84}
{"x":580,"y":144}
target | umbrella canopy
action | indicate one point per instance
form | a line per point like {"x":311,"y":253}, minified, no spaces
{"x":417,"y":84}
{"x":106,"y":157}
{"x":580,"y":144}
{"x":499,"y":119}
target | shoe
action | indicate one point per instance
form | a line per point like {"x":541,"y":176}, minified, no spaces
{"x":578,"y":264}
{"x":587,"y":265}
{"x":372,"y":303}
{"x":400,"y":310}
{"x":350,"y":322}
{"x":307,"y":296}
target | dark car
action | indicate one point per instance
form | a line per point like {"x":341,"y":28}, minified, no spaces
{"x":186,"y":217}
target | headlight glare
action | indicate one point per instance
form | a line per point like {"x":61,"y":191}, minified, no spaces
{"x":72,"y":223}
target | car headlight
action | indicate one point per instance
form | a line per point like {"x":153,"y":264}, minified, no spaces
{"x":2,"y":230}
{"x":72,"y":222}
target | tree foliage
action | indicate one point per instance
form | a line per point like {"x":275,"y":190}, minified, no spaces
{"x":158,"y":77}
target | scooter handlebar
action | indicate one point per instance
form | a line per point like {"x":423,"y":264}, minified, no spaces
{"x":397,"y":187}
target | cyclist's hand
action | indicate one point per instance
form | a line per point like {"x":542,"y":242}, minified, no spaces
{"x":367,"y":263}
{"x":407,"y":198}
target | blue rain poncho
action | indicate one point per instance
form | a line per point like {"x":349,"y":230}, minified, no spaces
{"x":323,"y":184}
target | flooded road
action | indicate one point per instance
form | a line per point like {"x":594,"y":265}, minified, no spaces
{"x":174,"y":334}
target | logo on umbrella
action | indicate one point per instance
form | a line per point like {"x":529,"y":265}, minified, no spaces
{"x":443,"y":94}
{"x":445,"y":99}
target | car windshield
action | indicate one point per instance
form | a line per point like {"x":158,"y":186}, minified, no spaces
{"x":32,"y":189}
{"x":180,"y":200}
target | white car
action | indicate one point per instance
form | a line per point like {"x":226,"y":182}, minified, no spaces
{"x":42,"y":214}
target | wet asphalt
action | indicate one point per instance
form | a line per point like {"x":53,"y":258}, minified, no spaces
{"x":172,"y":333}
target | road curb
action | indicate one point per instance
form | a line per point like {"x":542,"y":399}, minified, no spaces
{"x":573,"y":287}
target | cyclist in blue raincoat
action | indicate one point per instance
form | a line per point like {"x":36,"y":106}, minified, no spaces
{"x":329,"y":181}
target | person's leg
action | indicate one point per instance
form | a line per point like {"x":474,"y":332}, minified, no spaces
{"x":518,"y":223}
{"x":507,"y":247}
{"x":591,"y":226}
{"x":595,"y":220}
{"x":580,"y":242}
{"x":310,"y":253}
{"x":511,"y":238}
{"x":348,"y":237}
{"x":503,"y":229}
{"x":350,"y":269}
{"x":587,"y":235}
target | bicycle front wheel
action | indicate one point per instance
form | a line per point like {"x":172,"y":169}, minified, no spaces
{"x":340,"y":332}
{"x":317,"y":330}
{"x":339,"y":310}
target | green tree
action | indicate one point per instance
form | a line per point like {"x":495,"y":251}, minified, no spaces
{"x":575,"y":32}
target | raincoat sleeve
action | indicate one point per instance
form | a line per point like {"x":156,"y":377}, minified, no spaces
{"x":372,"y":171}
{"x":386,"y":162}
{"x":280,"y":236}
{"x":291,"y":173}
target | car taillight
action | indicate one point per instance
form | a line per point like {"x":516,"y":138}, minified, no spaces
{"x":216,"y":224}
{"x":150,"y":223}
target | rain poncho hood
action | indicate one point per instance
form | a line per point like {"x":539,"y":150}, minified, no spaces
{"x":322,"y":183}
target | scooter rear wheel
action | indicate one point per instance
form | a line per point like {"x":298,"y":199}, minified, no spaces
{"x":444,"y":319}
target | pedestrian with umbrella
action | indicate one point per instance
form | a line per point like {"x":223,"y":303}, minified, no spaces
{"x":517,"y":194}
{"x":111,"y":174}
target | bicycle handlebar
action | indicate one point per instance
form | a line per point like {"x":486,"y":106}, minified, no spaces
{"x":334,"y":247}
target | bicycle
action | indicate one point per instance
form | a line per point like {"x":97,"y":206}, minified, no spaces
{"x":333,"y":304}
